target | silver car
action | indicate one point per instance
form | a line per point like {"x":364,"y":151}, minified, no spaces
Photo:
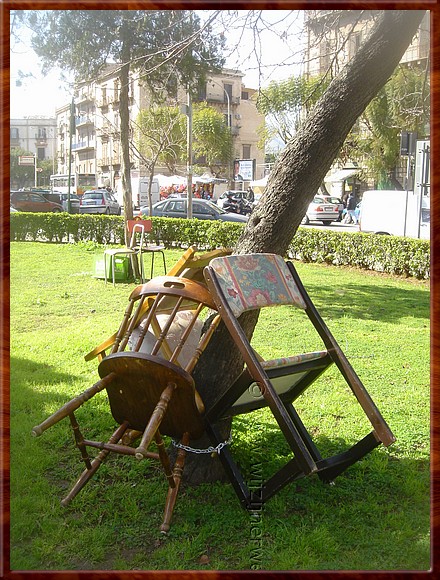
{"x":99,"y":201}
{"x":320,"y":210}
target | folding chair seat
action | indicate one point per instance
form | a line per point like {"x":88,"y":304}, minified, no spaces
{"x":150,"y":393}
{"x":241,"y":283}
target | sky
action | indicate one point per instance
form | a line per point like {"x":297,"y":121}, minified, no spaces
{"x":261,"y":60}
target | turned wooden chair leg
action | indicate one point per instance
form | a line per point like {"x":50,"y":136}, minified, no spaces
{"x":164,"y":459}
{"x":94,"y":466}
{"x":155,"y":420}
{"x":172,"y":492}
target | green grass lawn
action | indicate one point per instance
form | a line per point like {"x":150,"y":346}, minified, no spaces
{"x":375,"y":517}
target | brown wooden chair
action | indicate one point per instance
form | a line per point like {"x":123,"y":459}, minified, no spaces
{"x":150,"y":388}
{"x":190,"y":266}
{"x":241,"y":283}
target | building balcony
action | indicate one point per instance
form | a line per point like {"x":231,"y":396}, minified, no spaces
{"x":213,"y":98}
{"x":104,"y":162}
{"x":83,"y":145}
{"x":83,"y":120}
{"x":85,"y":97}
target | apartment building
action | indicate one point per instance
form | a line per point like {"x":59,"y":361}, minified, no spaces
{"x":334,"y":36}
{"x":35,"y":135}
{"x":96,"y":146}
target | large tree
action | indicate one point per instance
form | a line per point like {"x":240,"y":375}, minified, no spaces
{"x":165,"y":47}
{"x":299,"y":171}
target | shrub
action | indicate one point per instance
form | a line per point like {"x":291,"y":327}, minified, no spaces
{"x":392,"y":254}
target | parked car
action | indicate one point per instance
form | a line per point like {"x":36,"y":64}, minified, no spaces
{"x":320,"y":210}
{"x":202,"y":210}
{"x":32,"y":201}
{"x":335,"y":201}
{"x":99,"y":201}
{"x":61,"y":198}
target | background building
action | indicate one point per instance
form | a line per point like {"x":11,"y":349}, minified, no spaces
{"x":35,"y":135}
{"x":96,"y":144}
{"x":332,"y":39}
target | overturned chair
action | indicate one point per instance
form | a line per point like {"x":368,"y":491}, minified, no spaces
{"x":240,"y":283}
{"x":150,"y":388}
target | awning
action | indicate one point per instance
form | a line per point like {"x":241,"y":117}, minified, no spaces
{"x":205,"y":178}
{"x":341,"y":175}
{"x":260,"y":182}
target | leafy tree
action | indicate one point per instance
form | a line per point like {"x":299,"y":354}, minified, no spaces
{"x":402,"y":104}
{"x":212,"y":138}
{"x":161,"y":138}
{"x":20,"y":175}
{"x":165,"y":47}
{"x":300,"y":169}
{"x":285,"y":104}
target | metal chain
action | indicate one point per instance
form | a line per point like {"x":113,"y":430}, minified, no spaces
{"x":210,"y":449}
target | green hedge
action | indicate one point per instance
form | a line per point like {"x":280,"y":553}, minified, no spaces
{"x":392,"y":254}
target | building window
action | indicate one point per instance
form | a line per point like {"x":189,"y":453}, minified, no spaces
{"x":14,"y":133}
{"x":42,"y":133}
{"x":228,"y":89}
{"x":41,"y":153}
{"x":246,"y":152}
{"x":245,"y":95}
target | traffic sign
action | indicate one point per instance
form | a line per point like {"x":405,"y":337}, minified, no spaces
{"x":26,"y":160}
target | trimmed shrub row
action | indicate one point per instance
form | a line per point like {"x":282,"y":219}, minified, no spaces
{"x":391,"y":254}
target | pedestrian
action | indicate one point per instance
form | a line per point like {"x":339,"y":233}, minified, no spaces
{"x":351,"y":206}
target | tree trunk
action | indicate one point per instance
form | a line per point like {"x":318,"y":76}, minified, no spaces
{"x":300,"y":170}
{"x":125,"y":130}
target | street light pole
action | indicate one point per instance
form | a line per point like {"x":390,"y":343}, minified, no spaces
{"x":189,"y":156}
{"x":72,"y":127}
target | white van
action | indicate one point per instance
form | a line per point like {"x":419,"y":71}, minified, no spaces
{"x":139,"y":191}
{"x":398,"y":213}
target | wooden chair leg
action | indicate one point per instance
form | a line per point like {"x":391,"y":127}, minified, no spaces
{"x":94,"y":466}
{"x":155,"y":420}
{"x":164,"y":459}
{"x":172,"y":492}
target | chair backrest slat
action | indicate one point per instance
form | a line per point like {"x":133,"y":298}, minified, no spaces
{"x":254,"y":281}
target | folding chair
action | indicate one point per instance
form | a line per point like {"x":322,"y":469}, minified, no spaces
{"x":150,"y":389}
{"x":241,"y":283}
{"x":190,"y":266}
{"x":138,"y":246}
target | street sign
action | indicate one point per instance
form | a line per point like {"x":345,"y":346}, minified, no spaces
{"x":26,"y":160}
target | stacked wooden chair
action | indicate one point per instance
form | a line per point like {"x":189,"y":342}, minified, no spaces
{"x":240,"y":283}
{"x":146,"y":369}
{"x":150,"y":388}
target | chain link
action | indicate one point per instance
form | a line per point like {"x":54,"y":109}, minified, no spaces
{"x":210,"y":449}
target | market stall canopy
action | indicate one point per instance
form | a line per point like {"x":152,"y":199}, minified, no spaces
{"x":205,"y":178}
{"x":259,"y":184}
{"x":341,"y":175}
{"x":168,"y":180}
